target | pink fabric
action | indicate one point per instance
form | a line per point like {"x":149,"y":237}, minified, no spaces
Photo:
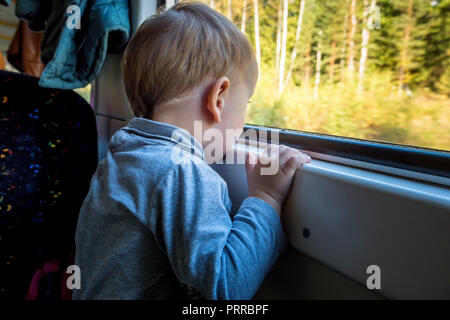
{"x":51,"y":266}
{"x":66,"y":293}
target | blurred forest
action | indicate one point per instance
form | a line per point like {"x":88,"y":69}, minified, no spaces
{"x":369,"y":69}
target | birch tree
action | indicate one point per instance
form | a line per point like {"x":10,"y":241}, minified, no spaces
{"x":344,"y":45}
{"x":244,"y":16}
{"x":278,"y":46}
{"x":307,"y":64}
{"x":297,"y":37}
{"x":229,"y":13}
{"x":351,"y":39}
{"x":283,"y":47}
{"x":257,"y":44}
{"x":365,"y":43}
{"x":318,"y":65}
{"x":211,"y":3}
{"x":332,"y":59}
{"x":404,"y":53}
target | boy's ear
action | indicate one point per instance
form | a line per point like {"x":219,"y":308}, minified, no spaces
{"x":216,"y":98}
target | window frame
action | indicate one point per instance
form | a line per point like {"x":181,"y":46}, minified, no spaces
{"x":423,"y":160}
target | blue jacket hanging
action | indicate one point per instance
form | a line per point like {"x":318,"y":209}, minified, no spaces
{"x":78,"y":35}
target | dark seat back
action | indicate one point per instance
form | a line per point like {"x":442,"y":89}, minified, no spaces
{"x":48,"y":153}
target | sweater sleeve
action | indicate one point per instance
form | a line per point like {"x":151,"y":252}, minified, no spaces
{"x":209,"y":252}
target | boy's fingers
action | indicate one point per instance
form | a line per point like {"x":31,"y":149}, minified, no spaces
{"x":271,"y":151}
{"x":286,"y":154}
{"x":306,"y":157}
{"x":290,"y":151}
{"x":283,"y":154}
{"x":285,"y":150}
{"x":294,"y":162}
{"x":269,"y":155}
{"x":297,"y":160}
{"x":250,"y":160}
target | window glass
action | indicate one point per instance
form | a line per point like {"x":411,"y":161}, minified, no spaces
{"x":85,"y":93}
{"x":369,"y":69}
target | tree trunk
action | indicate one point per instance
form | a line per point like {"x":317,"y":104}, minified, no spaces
{"x":257,"y":45}
{"x":307,"y":64}
{"x":365,"y":43}
{"x":229,"y":10}
{"x":211,"y":3}
{"x":283,"y":47}
{"x":351,"y":40}
{"x":343,"y":47}
{"x":318,"y":66}
{"x":404,"y":54}
{"x":297,"y":37}
{"x":279,"y":24}
{"x":244,"y":16}
{"x":333,"y":59}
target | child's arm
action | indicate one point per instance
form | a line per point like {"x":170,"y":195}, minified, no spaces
{"x":220,"y":258}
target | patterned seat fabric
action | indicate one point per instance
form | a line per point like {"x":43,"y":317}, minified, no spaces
{"x":48,"y":153}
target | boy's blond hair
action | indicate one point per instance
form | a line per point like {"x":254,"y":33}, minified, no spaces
{"x":174,"y":51}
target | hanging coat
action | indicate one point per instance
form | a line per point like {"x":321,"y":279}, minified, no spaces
{"x":78,"y":34}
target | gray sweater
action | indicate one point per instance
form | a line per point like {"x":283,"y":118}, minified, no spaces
{"x":154,"y":228}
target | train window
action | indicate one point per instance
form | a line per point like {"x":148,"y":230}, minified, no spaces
{"x":373,"y":69}
{"x":85,"y":92}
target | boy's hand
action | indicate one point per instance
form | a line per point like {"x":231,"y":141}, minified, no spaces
{"x":273,"y":188}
